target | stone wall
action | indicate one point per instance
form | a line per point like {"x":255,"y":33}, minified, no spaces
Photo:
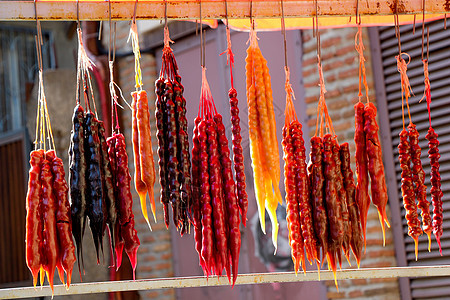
{"x":340,"y":67}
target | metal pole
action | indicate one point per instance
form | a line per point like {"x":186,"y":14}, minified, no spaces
{"x":256,"y":278}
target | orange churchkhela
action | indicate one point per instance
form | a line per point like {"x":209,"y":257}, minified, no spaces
{"x":263,"y":139}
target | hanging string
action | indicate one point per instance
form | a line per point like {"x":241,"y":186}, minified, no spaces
{"x":402,"y":67}
{"x":423,"y":25}
{"x":359,"y":46}
{"x":136,"y":51}
{"x":427,"y":89}
{"x":252,"y":22}
{"x":290,"y":114}
{"x":37,"y":141}
{"x":229,"y":52}
{"x":78,"y":15}
{"x":43,"y":125}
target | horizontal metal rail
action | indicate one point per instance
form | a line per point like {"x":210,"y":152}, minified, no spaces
{"x":256,"y":278}
{"x":211,"y":9}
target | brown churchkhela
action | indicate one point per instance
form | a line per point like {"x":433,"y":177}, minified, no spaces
{"x":362,"y":186}
{"x":375,"y":165}
{"x":316,"y":184}
{"x":355,"y":233}
{"x":173,"y":143}
{"x":333,"y":205}
{"x":342,"y":194}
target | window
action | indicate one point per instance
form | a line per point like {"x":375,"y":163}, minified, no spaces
{"x":384,"y":49}
{"x":18,"y":69}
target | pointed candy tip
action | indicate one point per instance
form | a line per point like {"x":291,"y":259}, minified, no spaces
{"x":69,"y":279}
{"x":438,"y":239}
{"x":42,"y":276}
{"x":429,"y":241}
{"x":50,"y":277}
{"x":132,"y":255}
{"x":416,"y":247}
{"x":382,"y":217}
{"x":152,"y":203}
{"x":61,"y":274}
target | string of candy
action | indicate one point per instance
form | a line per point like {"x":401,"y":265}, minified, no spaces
{"x":359,"y":46}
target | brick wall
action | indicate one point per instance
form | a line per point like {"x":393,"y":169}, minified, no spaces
{"x":340,"y":68}
{"x":155,"y":252}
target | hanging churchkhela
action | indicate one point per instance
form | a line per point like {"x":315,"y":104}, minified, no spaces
{"x":433,"y":154}
{"x":216,"y":209}
{"x":238,"y":156}
{"x":48,"y":239}
{"x":369,"y":160}
{"x":144,"y":166}
{"x":299,"y":216}
{"x":332,"y":192}
{"x":173,"y":142}
{"x":125,"y":235}
{"x":413,"y":176}
{"x":91,"y":176}
{"x":263,"y":138}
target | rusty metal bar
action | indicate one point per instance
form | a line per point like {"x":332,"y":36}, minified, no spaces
{"x":257,"y":278}
{"x":188,"y":9}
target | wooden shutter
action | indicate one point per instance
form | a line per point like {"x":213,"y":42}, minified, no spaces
{"x":439,"y":68}
{"x":12,"y":209}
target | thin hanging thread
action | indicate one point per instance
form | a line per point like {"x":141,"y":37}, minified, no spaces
{"x":136,"y":51}
{"x":427,"y":89}
{"x":402,"y":67}
{"x":359,"y":46}
{"x":290,"y":114}
{"x":43,"y":125}
{"x":229,"y":52}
